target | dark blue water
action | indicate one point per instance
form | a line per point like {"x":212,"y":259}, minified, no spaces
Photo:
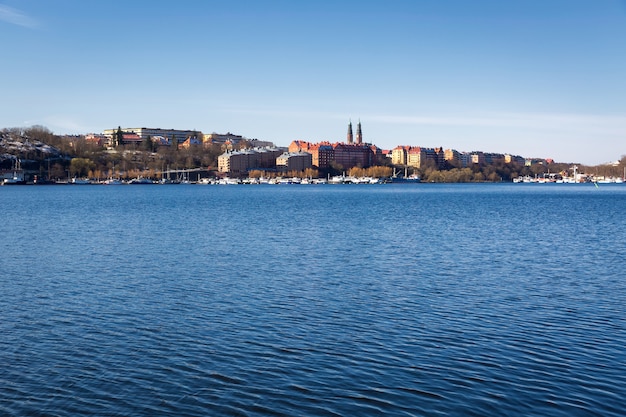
{"x":399,"y":300}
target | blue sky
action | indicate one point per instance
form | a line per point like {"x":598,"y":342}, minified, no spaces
{"x":537,"y":78}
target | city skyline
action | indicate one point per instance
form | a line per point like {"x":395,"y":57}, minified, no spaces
{"x":526,"y":78}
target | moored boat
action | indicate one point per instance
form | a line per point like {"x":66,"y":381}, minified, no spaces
{"x":80,"y":181}
{"x":17,"y":176}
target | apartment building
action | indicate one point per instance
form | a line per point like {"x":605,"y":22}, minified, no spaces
{"x":240,"y":162}
{"x":173,"y":136}
{"x":294,"y":161}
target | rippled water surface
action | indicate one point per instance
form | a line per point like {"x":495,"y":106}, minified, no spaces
{"x":404,"y":300}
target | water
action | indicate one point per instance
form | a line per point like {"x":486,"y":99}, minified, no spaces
{"x":400,"y":300}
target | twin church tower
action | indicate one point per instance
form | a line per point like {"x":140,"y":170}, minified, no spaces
{"x":359,"y":135}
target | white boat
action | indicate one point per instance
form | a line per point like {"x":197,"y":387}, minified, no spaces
{"x":80,"y":181}
{"x":229,"y":181}
{"x":14,"y":180}
{"x":141,"y":181}
{"x":18,"y":175}
{"x":337,"y":179}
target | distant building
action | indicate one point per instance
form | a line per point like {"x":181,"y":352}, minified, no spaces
{"x":377,"y":155}
{"x":240,"y":162}
{"x":189,"y":142}
{"x":96,"y":138}
{"x":131,"y":139}
{"x":236,"y":162}
{"x":294,"y":161}
{"x":399,"y":155}
{"x":299,"y":146}
{"x":347,"y":154}
{"x":465,"y":159}
{"x":440,"y":157}
{"x":413,"y":156}
{"x":492,"y":158}
{"x":352,"y":155}
{"x":534,"y":161}
{"x":160,"y":141}
{"x":451,"y":155}
{"x":416,"y":156}
{"x":222,"y":138}
{"x":255,"y":143}
{"x":322,"y":153}
{"x":266,"y":157}
{"x":477,"y":158}
{"x":173,"y":136}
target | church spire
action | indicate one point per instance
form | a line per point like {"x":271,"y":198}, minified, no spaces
{"x":350,"y":132}
{"x":359,"y":135}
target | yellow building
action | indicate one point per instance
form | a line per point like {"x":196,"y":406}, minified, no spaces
{"x":399,"y":155}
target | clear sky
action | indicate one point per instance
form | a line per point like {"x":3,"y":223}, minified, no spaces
{"x":537,"y":78}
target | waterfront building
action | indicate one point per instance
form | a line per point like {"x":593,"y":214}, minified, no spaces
{"x":266,"y":157}
{"x":240,"y":162}
{"x":416,"y":156}
{"x":350,"y":155}
{"x":377,"y":155}
{"x":294,"y":161}
{"x":399,"y":155}
{"x":322,"y":153}
{"x":413,"y":156}
{"x":236,"y":162}
{"x":347,"y":154}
